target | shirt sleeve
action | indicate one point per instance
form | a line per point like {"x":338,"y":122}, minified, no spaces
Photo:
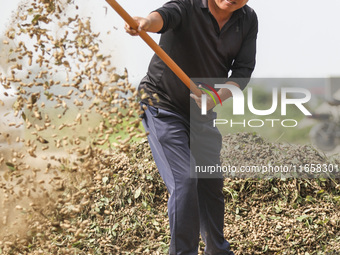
{"x":244,"y":63}
{"x":172,"y":13}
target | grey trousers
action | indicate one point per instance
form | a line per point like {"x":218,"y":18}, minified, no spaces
{"x":196,"y":204}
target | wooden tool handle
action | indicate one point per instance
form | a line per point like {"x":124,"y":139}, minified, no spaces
{"x":156,"y":48}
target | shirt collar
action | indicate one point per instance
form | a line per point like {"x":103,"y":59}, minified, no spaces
{"x":204,"y":5}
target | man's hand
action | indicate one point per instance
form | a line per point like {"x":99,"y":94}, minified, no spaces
{"x":152,"y":23}
{"x":210,"y":101}
{"x":223,"y":93}
{"x":143,"y":24}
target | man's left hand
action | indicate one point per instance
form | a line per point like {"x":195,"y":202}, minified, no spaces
{"x":198,"y":100}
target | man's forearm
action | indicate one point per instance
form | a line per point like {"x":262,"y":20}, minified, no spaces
{"x":156,"y":22}
{"x":225,"y":93}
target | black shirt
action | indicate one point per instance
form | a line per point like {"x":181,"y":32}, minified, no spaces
{"x":192,"y":38}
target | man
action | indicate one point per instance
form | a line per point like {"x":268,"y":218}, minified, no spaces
{"x":207,"y":39}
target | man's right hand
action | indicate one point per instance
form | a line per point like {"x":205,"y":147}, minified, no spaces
{"x":143,"y":24}
{"x":152,"y":23}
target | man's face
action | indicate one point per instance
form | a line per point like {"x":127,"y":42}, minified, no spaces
{"x":230,"y":5}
